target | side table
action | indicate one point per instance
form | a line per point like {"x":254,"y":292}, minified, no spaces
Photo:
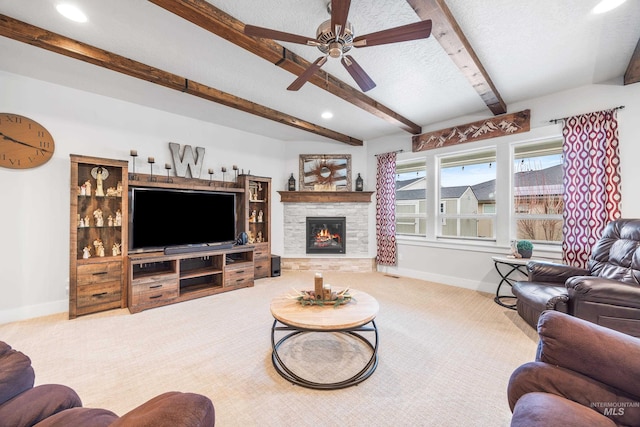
{"x":507,"y":268}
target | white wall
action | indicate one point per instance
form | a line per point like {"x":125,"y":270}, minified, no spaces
{"x":34,"y":261}
{"x":472,"y":267}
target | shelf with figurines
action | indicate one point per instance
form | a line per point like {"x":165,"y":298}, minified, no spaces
{"x":256,"y":217}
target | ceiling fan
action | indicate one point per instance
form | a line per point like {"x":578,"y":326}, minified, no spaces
{"x":335,"y":37}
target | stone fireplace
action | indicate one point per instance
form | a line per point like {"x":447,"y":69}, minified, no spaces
{"x":352,"y":206}
{"x":326,"y":235}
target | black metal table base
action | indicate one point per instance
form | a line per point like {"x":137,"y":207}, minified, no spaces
{"x":504,"y":278}
{"x":289,"y":375}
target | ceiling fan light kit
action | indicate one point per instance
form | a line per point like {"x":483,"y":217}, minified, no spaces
{"x":335,"y":37}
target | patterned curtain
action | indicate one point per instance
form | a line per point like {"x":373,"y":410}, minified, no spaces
{"x":387,"y":253}
{"x":591,"y":182}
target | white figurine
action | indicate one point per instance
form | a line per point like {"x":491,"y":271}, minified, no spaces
{"x":110,"y":221}
{"x":99,"y":247}
{"x":115,"y":250}
{"x":260,"y":214}
{"x":99,"y":190}
{"x":86,"y":252}
{"x":118,"y":222}
{"x":98,"y":216}
{"x":87,"y":221}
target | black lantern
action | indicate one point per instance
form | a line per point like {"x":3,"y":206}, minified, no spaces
{"x":359,"y":183}
{"x":292,"y":183}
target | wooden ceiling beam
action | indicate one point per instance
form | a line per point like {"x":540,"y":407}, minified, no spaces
{"x":212,"y":19}
{"x":450,"y":36}
{"x":632,"y":75}
{"x":35,"y":36}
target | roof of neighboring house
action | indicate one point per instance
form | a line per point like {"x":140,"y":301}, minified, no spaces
{"x":544,"y":181}
{"x":453,"y":192}
{"x":485,"y":191}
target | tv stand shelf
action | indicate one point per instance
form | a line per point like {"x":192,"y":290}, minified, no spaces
{"x":156,"y":279}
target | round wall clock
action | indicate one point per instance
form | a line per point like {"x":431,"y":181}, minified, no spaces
{"x":24,"y":143}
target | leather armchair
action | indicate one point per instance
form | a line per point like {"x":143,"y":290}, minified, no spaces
{"x":22,"y":404}
{"x":606,"y":293}
{"x":55,"y":405}
{"x":583,"y":375}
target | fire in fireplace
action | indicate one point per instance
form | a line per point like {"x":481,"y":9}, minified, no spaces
{"x":326,"y":235}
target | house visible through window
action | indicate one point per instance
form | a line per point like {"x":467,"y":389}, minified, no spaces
{"x":467,"y":193}
{"x":411,"y":213}
{"x":537,"y":191}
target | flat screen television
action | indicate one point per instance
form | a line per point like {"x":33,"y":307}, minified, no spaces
{"x":163,"y":218}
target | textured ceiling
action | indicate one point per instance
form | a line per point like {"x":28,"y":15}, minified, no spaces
{"x":529,"y":48}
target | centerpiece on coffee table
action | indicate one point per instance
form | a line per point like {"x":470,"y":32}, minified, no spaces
{"x":325,"y":298}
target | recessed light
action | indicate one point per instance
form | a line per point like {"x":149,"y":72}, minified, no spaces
{"x":607,"y":5}
{"x":70,"y":11}
{"x":327,"y":115}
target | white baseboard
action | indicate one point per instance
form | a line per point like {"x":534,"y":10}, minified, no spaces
{"x":32,"y":311}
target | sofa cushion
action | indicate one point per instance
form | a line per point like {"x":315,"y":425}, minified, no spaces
{"x":38,"y":403}
{"x":544,"y":410}
{"x":171,"y":409}
{"x":80,"y":417}
{"x":16,"y":373}
{"x":533,"y":298}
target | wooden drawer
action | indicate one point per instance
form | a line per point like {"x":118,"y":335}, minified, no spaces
{"x":100,"y":272}
{"x":261,"y":252}
{"x":100,"y":296}
{"x":241,"y":275}
{"x":262,"y":268}
{"x":154,"y":292}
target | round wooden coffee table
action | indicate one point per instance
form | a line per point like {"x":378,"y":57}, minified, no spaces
{"x":348,"y":319}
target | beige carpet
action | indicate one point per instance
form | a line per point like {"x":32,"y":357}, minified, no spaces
{"x":445,"y":356}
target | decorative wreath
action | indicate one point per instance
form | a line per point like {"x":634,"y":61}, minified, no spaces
{"x":319,"y":166}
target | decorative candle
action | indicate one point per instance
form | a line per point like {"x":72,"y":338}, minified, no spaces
{"x":167,"y":166}
{"x":318,"y":286}
{"x":133,"y":153}
{"x":210,"y":171}
{"x":327,"y":292}
{"x":151,"y":160}
{"x":224,"y":169}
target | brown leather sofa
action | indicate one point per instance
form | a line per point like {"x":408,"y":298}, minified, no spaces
{"x":55,"y":405}
{"x":606,"y":293}
{"x":583,"y":375}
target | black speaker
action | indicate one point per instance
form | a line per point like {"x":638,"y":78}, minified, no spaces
{"x":275,"y":265}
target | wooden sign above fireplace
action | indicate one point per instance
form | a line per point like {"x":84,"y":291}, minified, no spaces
{"x":325,"y":196}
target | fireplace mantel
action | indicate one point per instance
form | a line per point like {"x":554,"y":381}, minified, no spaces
{"x":325,"y":196}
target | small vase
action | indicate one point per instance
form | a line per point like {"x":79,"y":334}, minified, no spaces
{"x":525,"y":253}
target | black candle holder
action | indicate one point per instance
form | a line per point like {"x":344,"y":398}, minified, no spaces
{"x":151,"y":161}
{"x":133,"y":154}
{"x":235,"y":168}
{"x":167,"y":166}
{"x":224,"y":170}
{"x":210,"y":177}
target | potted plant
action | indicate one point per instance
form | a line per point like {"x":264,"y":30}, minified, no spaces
{"x":525,"y":248}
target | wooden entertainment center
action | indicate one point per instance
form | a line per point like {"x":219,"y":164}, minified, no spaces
{"x":103,"y":275}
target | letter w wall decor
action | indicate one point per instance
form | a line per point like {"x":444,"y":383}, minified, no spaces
{"x":186,"y":162}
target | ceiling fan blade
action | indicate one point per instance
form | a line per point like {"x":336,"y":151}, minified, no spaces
{"x":302,"y":79}
{"x":266,"y":33}
{"x":358,"y":74}
{"x":417,"y":30}
{"x":339,"y":13}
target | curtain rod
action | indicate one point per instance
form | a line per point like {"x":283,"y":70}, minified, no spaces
{"x":396,"y":151}
{"x":554,"y":121}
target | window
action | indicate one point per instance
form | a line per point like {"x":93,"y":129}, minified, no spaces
{"x":411,"y":212}
{"x":467,"y":195}
{"x":537,"y":191}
